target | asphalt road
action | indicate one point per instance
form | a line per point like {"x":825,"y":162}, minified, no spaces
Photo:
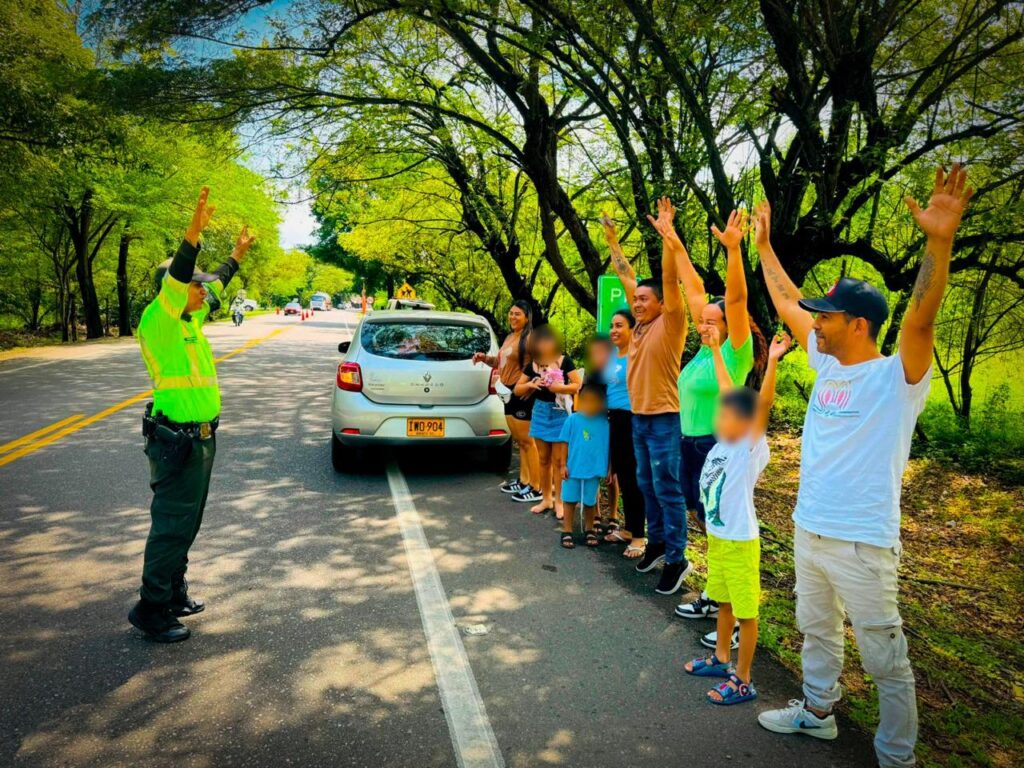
{"x":313,"y":650}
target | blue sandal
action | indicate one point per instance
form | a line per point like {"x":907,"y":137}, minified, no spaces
{"x":709,"y":668}
{"x":734,"y":691}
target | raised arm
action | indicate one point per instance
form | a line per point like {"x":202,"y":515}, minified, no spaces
{"x":737,"y":318}
{"x":714,"y":342}
{"x":780,"y":344}
{"x":939,"y":222}
{"x":622,"y":267}
{"x":783,"y":291}
{"x":671,"y":245}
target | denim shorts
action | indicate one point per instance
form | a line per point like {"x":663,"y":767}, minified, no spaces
{"x":547,"y":421}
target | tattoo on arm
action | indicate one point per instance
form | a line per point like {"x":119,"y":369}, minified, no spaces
{"x":780,"y":282}
{"x":925,"y":278}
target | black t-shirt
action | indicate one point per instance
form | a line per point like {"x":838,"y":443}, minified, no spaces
{"x":546,"y":395}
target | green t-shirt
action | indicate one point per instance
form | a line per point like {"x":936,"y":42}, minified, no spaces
{"x":698,"y":385}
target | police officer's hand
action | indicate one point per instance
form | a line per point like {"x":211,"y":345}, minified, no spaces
{"x":242,"y":244}
{"x":200,"y":218}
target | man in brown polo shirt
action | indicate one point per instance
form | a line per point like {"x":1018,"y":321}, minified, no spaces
{"x":651,"y":377}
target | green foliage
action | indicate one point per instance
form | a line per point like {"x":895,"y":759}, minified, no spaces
{"x":994,"y":444}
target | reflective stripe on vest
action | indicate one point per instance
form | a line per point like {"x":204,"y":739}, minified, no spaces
{"x":182,"y":382}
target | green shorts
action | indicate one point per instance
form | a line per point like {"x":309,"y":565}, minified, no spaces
{"x":734,"y":575}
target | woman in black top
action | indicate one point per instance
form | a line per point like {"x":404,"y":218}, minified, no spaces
{"x":552,"y":379}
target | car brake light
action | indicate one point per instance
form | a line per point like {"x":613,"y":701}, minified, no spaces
{"x":492,"y":387}
{"x":350,"y":377}
{"x":497,"y":433}
{"x":350,"y":431}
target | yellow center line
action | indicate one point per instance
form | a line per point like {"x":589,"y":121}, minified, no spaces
{"x":39,"y":433}
{"x":77,"y":425}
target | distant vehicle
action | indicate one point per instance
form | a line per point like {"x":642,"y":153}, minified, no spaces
{"x":356,"y":304}
{"x":409,"y":378}
{"x":324,"y":298}
{"x":249,"y":305}
{"x":293,"y":308}
{"x":317,"y":303}
{"x":409,"y":304}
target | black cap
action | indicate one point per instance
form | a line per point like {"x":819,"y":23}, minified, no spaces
{"x":197,"y":276}
{"x":855,"y":297}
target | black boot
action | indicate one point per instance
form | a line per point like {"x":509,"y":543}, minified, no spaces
{"x":157,"y":622}
{"x":181,"y":603}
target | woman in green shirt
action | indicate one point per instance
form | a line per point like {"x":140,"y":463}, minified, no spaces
{"x":744,"y":351}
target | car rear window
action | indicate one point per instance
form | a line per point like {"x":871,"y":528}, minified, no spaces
{"x":425,"y":341}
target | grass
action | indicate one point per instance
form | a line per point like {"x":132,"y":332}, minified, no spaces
{"x":962,"y":587}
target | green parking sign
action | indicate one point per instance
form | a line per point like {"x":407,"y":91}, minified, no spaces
{"x":611,"y":297}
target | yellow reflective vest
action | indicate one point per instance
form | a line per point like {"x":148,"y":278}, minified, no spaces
{"x":178,"y":356}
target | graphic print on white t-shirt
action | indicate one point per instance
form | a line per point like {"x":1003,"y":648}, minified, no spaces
{"x":833,"y":397}
{"x":727,"y":482}
{"x":855,"y":446}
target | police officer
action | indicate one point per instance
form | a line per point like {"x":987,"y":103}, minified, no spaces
{"x":180,"y":424}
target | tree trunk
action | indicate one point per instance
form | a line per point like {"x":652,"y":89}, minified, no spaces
{"x":124,"y":318}
{"x":73,"y":318}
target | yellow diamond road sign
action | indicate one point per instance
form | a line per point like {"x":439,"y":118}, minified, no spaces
{"x":405,"y":292}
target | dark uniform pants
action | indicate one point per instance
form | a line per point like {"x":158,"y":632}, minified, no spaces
{"x":179,"y":497}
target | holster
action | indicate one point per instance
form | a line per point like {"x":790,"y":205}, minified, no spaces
{"x":164,"y":443}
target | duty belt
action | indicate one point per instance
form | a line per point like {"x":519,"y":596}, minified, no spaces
{"x":197,"y":430}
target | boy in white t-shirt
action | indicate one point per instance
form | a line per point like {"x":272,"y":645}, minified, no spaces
{"x":727,"y":483}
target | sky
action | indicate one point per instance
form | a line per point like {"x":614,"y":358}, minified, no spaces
{"x":298,"y":227}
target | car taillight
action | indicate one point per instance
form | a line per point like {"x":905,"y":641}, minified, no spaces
{"x":492,"y":387}
{"x":350,"y":377}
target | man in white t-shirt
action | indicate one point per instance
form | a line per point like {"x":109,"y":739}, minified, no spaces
{"x":856,"y":443}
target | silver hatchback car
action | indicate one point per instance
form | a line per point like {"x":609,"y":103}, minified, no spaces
{"x":408,"y":377}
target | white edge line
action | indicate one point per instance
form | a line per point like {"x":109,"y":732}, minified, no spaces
{"x":471,"y":733}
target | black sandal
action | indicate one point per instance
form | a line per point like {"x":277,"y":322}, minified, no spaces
{"x":567,"y":541}
{"x":592,"y":539}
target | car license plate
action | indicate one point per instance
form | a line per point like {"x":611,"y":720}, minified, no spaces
{"x":424,"y":427}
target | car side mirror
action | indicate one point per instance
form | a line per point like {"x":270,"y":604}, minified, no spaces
{"x":343,"y":347}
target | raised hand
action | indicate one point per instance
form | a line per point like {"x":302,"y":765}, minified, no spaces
{"x":242,"y":244}
{"x":941,"y":218}
{"x":762,"y":223}
{"x":735,"y":229}
{"x":666,"y":214}
{"x":780,"y":345}
{"x":608,"y":226}
{"x":200,"y":217}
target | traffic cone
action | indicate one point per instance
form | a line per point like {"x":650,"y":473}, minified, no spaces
{"x":277,"y":310}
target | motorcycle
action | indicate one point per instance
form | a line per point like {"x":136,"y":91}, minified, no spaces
{"x":237,"y":316}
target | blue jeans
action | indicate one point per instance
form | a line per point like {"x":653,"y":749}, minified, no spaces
{"x":656,"y":440}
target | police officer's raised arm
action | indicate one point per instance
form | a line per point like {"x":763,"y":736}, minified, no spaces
{"x":173,"y":293}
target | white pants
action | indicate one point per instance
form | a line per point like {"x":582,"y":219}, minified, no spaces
{"x":832,"y":575}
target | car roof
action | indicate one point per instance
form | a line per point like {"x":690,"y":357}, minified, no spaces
{"x":419,"y":315}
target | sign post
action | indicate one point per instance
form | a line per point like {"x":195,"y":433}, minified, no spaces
{"x":406,"y":291}
{"x":611,"y":297}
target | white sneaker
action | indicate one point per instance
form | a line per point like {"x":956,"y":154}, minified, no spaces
{"x":701,"y":608}
{"x":710,"y":640}
{"x":797,"y":719}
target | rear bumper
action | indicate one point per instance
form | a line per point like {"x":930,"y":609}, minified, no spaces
{"x":385,"y":425}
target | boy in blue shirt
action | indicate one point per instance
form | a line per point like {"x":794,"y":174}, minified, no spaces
{"x":585,"y":462}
